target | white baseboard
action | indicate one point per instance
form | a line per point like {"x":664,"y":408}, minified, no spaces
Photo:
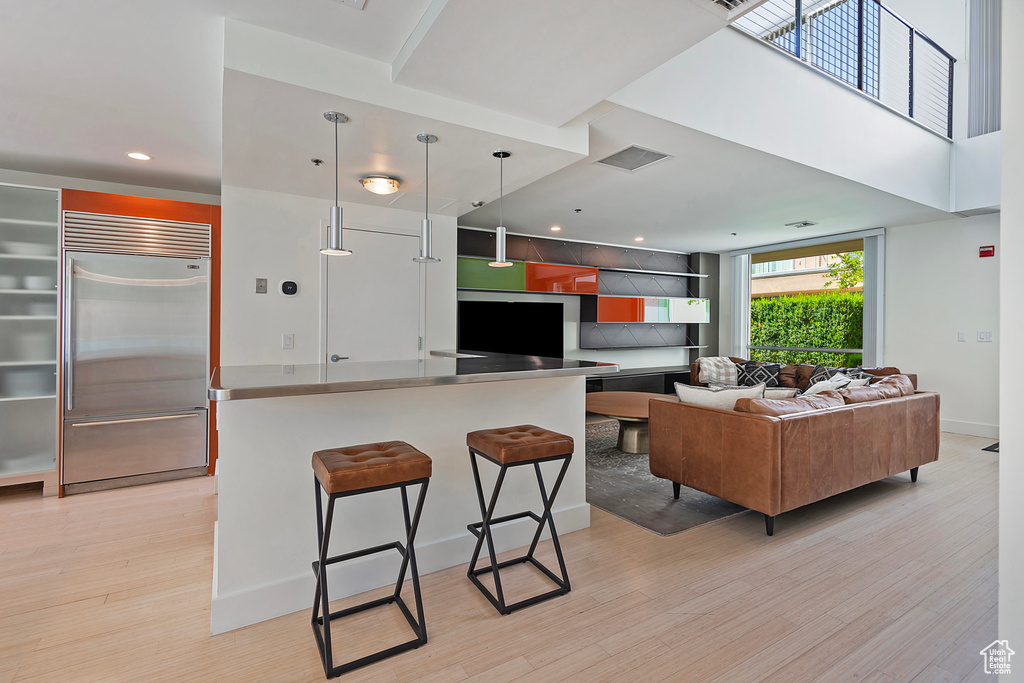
{"x":970,"y":428}
{"x":229,"y":612}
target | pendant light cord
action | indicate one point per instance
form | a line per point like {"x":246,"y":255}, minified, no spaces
{"x":501,"y":186}
{"x":335,"y":160}
{"x":426,"y":173}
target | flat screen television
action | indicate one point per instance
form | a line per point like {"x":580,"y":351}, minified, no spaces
{"x":527,"y":328}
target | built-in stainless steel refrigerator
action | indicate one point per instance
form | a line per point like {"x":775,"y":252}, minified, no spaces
{"x":134,"y":369}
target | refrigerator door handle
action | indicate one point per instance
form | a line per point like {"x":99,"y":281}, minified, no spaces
{"x":133,"y":420}
{"x":69,"y":331}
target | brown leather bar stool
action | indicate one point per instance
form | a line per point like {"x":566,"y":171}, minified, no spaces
{"x":349,"y":471}
{"x":511,"y":447}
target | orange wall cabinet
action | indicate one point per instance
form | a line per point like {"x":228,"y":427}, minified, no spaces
{"x":546,"y":277}
{"x":614,"y":309}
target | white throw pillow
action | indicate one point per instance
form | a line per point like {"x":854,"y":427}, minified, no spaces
{"x":834,"y":382}
{"x":854,"y":383}
{"x":780,"y":392}
{"x":723,"y":398}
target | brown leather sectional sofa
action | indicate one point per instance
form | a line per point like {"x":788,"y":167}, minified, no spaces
{"x":774,"y":464}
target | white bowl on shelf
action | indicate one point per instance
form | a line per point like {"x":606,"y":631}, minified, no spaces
{"x":30,"y":248}
{"x":9,"y":282}
{"x":40,"y":282}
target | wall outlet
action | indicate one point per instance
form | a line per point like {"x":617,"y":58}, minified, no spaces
{"x":287,"y":341}
{"x":961,"y":336}
{"x":985,"y":336}
{"x":261,"y":285}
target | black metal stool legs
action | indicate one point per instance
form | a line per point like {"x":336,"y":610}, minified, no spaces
{"x":322,"y":616}
{"x":482,"y":531}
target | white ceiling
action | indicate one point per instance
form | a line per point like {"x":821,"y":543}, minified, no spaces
{"x":695,"y":200}
{"x":547,"y":61}
{"x":83,"y":83}
{"x":273,"y":129}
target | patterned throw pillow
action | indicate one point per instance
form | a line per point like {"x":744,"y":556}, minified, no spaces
{"x":858,"y":373}
{"x":822,"y":373}
{"x":833,"y":383}
{"x":750,"y":373}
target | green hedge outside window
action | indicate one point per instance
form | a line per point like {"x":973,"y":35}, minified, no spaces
{"x":834,"y":320}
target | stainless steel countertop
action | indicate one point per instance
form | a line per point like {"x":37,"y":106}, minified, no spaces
{"x":233,"y":383}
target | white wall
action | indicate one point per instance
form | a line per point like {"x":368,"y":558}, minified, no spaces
{"x":57,"y":182}
{"x":277,"y":236}
{"x":935,"y":286}
{"x":1011,"y":463}
{"x":976,"y":172}
{"x":626,"y":358}
{"x":735,"y":88}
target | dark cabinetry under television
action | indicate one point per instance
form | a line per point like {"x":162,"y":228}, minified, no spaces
{"x":526,"y":328}
{"x":639,"y":380}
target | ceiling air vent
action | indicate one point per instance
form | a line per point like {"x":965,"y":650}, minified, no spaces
{"x":632,"y":158}
{"x":729,"y":4}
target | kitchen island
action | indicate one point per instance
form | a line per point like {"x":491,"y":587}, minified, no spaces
{"x":271,"y":418}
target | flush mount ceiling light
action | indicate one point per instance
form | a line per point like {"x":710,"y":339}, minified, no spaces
{"x":334,"y":247}
{"x":801,"y":224}
{"x":638,"y":239}
{"x":555,"y":228}
{"x":426,"y":230}
{"x":380,"y":184}
{"x":139,"y":156}
{"x":499,"y":234}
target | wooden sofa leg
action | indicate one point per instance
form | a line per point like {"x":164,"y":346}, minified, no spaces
{"x":769,"y":524}
{"x":675,"y":488}
{"x":913,"y":474}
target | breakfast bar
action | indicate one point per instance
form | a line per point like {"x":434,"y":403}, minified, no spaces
{"x":271,"y":418}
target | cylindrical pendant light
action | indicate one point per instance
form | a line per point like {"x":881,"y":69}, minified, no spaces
{"x":426,"y":229}
{"x":499,"y":234}
{"x":334,"y":247}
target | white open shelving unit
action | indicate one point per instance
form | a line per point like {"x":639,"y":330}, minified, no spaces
{"x":29,"y":248}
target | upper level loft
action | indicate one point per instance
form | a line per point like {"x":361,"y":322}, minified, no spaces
{"x":866,"y":45}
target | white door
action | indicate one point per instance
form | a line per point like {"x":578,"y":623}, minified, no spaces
{"x":374,"y":298}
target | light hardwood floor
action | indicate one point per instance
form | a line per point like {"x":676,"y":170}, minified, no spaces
{"x":892,"y":582}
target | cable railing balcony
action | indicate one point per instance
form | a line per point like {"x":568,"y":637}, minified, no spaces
{"x":867,"y":46}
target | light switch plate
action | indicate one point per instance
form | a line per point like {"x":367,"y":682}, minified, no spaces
{"x":287,"y":341}
{"x":261,"y":285}
{"x":961,"y":336}
{"x":985,"y":336}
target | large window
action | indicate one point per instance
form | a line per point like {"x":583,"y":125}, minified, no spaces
{"x":812,"y":302}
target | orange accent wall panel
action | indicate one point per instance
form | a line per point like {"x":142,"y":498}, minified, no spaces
{"x":616,"y":309}
{"x":545,"y":277}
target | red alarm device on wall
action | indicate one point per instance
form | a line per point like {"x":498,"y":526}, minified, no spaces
{"x":987,"y":251}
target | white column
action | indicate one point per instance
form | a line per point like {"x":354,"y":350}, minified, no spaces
{"x":1011,"y":323}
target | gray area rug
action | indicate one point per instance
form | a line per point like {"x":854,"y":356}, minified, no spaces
{"x":622,"y":484}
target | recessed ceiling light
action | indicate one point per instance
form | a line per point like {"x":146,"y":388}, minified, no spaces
{"x":801,"y":224}
{"x":140,"y":156}
{"x":555,"y":228}
{"x":638,"y":239}
{"x":477,"y":204}
{"x":380,"y":184}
